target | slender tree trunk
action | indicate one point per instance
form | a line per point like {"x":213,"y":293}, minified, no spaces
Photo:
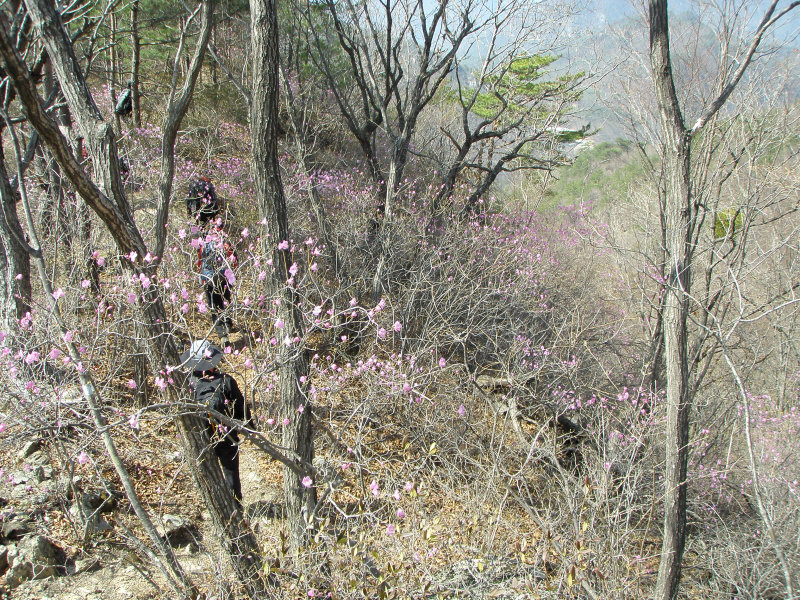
{"x":297,"y":435}
{"x":15,"y":266}
{"x":678,"y":219}
{"x":135,"y":54}
{"x":113,"y":68}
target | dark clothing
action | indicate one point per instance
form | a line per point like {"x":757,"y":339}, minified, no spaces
{"x":225,"y":440}
{"x":218,"y":297}
{"x":213,"y":260}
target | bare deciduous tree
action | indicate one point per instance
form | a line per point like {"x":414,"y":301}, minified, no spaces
{"x":683,"y":215}
{"x":293,"y":364}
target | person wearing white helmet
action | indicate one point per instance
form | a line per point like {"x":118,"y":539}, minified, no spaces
{"x":220,"y":393}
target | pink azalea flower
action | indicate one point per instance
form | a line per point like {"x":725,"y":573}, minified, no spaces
{"x":131,"y":384}
{"x":83,"y":458}
{"x":307,"y":481}
{"x":442,"y":362}
{"x":59,"y":293}
{"x":397,"y":326}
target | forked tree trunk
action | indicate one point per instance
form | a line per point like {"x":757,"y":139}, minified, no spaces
{"x":297,"y":435}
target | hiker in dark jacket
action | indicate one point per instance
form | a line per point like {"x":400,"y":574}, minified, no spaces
{"x":220,"y":392}
{"x":216,"y":260}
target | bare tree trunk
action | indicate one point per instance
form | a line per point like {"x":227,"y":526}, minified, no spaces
{"x":297,"y":435}
{"x":679,"y":217}
{"x":135,"y":56}
{"x":15,"y":267}
{"x":113,"y":68}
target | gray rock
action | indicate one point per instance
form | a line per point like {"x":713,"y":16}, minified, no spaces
{"x":15,"y":526}
{"x":22,"y":477}
{"x":179,"y":532}
{"x":85,"y":513}
{"x":3,"y":558}
{"x":38,"y":474}
{"x":29,"y":448}
{"x":22,"y":493}
{"x":84,"y":565}
{"x":38,"y":459}
{"x":34,"y":557}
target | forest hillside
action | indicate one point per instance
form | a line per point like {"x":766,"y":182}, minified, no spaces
{"x":487,"y":345}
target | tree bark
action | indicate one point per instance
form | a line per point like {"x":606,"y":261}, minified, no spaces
{"x":679,"y":218}
{"x":135,"y":60}
{"x":15,"y":266}
{"x":297,"y":435}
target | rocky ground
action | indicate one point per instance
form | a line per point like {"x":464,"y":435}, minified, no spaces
{"x":62,"y":538}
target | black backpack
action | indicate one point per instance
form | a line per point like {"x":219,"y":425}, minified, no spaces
{"x":124,"y":102}
{"x":211,"y":393}
{"x":202,"y":202}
